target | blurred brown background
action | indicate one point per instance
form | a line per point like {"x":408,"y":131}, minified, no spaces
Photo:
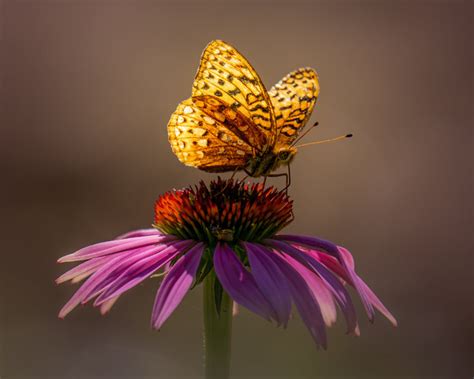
{"x":87,"y":90}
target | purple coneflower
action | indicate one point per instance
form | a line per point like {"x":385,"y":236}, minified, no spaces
{"x":226,"y":235}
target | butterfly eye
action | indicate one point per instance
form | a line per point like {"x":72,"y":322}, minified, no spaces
{"x":284,"y":155}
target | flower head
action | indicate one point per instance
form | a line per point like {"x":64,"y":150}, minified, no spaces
{"x":232,"y":228}
{"x":225,"y":211}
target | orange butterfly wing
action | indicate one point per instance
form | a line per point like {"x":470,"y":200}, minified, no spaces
{"x":231,"y":118}
{"x":205,"y":142}
{"x":226,"y":75}
{"x":293,"y":99}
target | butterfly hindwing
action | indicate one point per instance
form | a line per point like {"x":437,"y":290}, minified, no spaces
{"x":226,"y":75}
{"x":205,"y":142}
{"x":293,"y":99}
{"x":232,"y":119}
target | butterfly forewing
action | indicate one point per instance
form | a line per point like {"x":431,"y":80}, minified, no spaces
{"x":205,"y":142}
{"x":226,"y":75}
{"x":293,"y":99}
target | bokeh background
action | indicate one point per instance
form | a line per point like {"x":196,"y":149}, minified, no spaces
{"x":87,"y":89}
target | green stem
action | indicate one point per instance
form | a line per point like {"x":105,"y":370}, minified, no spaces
{"x":217,"y":329}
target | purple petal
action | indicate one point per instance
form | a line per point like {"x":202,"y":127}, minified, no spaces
{"x":115,"y":246}
{"x":374,"y":300}
{"x":303,"y":296}
{"x":140,"y":233}
{"x":141,"y":270}
{"x":175,"y":285}
{"x":105,"y":307}
{"x":270,"y":281}
{"x":321,"y":293}
{"x":349,"y":259}
{"x":329,"y":262}
{"x":142,"y":254}
{"x":333,"y":250}
{"x":341,"y":295}
{"x":105,"y":275}
{"x":85,"y":268}
{"x":314,"y":242}
{"x":238,"y":282}
{"x":378,"y":304}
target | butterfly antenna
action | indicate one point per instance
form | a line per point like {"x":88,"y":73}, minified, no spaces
{"x":326,"y":140}
{"x":306,"y":132}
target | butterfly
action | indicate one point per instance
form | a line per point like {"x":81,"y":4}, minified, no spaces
{"x":231,"y":122}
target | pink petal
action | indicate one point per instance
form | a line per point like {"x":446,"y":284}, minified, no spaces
{"x":239,"y":283}
{"x":270,"y":281}
{"x":310,"y":259}
{"x":105,"y":307}
{"x":374,"y":300}
{"x":85,"y":268}
{"x":141,"y":270}
{"x":333,"y":250}
{"x":141,"y":255}
{"x":115,"y":246}
{"x":104,"y":276}
{"x":320,"y":292}
{"x":140,"y":233}
{"x":175,"y":285}
{"x":303,"y":297}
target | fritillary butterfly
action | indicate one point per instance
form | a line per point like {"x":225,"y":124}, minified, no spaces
{"x":231,"y":122}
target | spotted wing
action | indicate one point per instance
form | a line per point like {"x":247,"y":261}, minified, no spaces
{"x":202,"y":141}
{"x":226,"y":75}
{"x":293,"y":99}
{"x":232,"y":119}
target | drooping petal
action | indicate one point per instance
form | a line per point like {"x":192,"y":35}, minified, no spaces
{"x":141,"y":257}
{"x":270,"y":281}
{"x":140,"y":233}
{"x":105,"y":275}
{"x":333,"y":250}
{"x":106,"y":306}
{"x":97,"y":279}
{"x":339,"y":291}
{"x":330,"y":262}
{"x":340,"y":294}
{"x":314,"y":242}
{"x":114,"y":246}
{"x":175,"y":285}
{"x":303,"y":297}
{"x":374,"y":300}
{"x":141,"y":270}
{"x":378,"y":304}
{"x":239,"y":283}
{"x":85,"y":268}
{"x":347,"y":256}
{"x":335,"y":266}
{"x":321,"y":293}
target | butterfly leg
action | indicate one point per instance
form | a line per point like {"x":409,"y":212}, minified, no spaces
{"x":233,"y":174}
{"x":278,"y":176}
{"x":287,"y":176}
{"x":288,"y":183}
{"x":288,"y":179}
{"x":230,"y":180}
